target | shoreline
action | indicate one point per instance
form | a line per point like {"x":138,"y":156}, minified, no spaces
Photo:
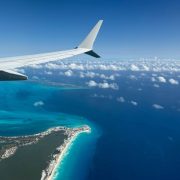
{"x":65,"y":136}
{"x":73,"y":133}
{"x":15,"y":142}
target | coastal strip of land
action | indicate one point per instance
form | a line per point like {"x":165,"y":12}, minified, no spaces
{"x":49,"y":173}
{"x":36,"y":156}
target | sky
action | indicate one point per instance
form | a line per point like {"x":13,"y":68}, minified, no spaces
{"x":131,"y":29}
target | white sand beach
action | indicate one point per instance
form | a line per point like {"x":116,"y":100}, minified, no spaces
{"x":54,"y":164}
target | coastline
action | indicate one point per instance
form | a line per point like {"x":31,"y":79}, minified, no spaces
{"x":49,"y":173}
{"x":15,"y":142}
{"x":57,"y":141}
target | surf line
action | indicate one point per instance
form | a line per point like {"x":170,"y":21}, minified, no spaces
{"x":73,"y":133}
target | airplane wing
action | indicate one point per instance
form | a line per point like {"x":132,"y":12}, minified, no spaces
{"x":8,"y":64}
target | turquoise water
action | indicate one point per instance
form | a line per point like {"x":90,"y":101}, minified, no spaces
{"x":138,"y":142}
{"x":19,"y":116}
{"x":77,"y":161}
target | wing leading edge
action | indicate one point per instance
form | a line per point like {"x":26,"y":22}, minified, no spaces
{"x":8,"y":64}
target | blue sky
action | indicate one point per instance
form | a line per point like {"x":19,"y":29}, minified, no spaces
{"x":131,"y":29}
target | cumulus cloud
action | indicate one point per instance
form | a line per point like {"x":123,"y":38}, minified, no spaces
{"x":132,"y":77}
{"x":76,"y":66}
{"x":103,"y":76}
{"x":92,"y":83}
{"x":48,"y":72}
{"x":157,"y":106}
{"x":106,"y":67}
{"x":103,"y":85}
{"x":145,"y":67}
{"x":161,"y":79}
{"x":121,"y":99}
{"x":134,"y":103}
{"x":163,"y":65}
{"x":134,"y":67}
{"x":82,"y":75}
{"x":38,"y":103}
{"x":51,"y":66}
{"x":68,"y":73}
{"x":156,"y":85}
{"x":106,"y":85}
{"x":173,"y":81}
{"x":153,"y":79}
{"x":91,"y":74}
{"x":112,"y":77}
{"x":36,"y":66}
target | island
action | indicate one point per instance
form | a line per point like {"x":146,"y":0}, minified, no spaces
{"x":36,"y":156}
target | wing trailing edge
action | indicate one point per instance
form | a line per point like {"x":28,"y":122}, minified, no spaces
{"x":11,"y":76}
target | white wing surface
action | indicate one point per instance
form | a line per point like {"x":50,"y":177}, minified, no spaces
{"x":8,"y":64}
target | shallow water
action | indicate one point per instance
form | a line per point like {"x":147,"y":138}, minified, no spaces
{"x":134,"y":142}
{"x":19,"y":116}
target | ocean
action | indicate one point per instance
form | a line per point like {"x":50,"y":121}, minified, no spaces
{"x":135,"y":127}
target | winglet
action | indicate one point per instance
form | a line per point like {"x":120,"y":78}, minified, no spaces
{"x":89,"y":40}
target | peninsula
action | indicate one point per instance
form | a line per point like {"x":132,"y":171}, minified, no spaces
{"x":36,"y":156}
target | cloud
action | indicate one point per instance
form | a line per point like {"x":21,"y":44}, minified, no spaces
{"x":76,"y":66}
{"x":161,"y":79}
{"x":91,"y":75}
{"x":153,"y":79}
{"x":103,"y":85}
{"x":103,"y":76}
{"x":88,"y":74}
{"x":36,"y":66}
{"x":48,"y":72}
{"x":134,"y":103}
{"x":38,"y":103}
{"x":106,"y":67}
{"x":106,"y":85}
{"x":92,"y":83}
{"x":112,"y":77}
{"x":51,"y":66}
{"x":173,"y":81}
{"x":102,"y":96}
{"x":35,"y":77}
{"x":134,"y":68}
{"x":68,"y":73}
{"x":145,"y":67}
{"x":121,"y":99}
{"x":157,"y":106}
{"x":22,"y":71}
{"x":82,"y":75}
{"x":132,"y":77}
{"x":141,"y":65}
{"x":156,"y":85}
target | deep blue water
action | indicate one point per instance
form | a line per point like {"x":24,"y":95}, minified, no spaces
{"x":130,"y":143}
